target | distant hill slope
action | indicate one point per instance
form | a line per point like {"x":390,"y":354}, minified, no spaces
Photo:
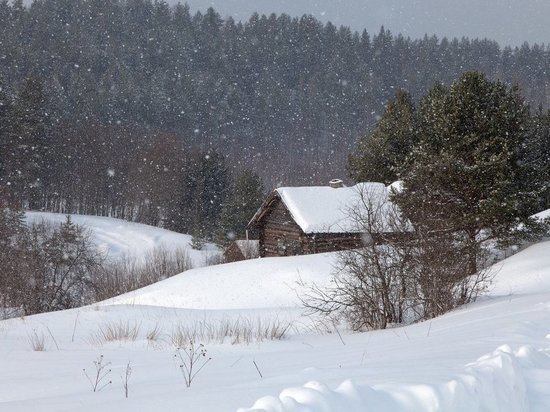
{"x":509,"y":22}
{"x":119,"y":237}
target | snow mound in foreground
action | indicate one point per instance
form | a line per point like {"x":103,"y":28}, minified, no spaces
{"x":502,"y":381}
{"x":495,"y":382}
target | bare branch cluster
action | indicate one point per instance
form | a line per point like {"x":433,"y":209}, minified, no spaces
{"x":192,"y":359}
{"x":98,"y":379}
{"x":47,"y":267}
{"x":398,"y":275}
{"x":130,"y":273}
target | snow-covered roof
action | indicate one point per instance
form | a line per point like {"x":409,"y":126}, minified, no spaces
{"x":324,"y":209}
{"x":545,"y":214}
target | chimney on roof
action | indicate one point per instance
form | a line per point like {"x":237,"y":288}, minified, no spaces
{"x":336,"y":183}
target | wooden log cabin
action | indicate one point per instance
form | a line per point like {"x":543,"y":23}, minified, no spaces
{"x":316,"y":219}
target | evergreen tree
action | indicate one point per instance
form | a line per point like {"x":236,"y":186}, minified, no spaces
{"x":242,"y":202}
{"x":5,"y":123}
{"x":13,"y":284}
{"x":205,"y":190}
{"x":536,"y":151}
{"x":379,"y":156}
{"x":464,"y":174}
{"x":28,"y":144}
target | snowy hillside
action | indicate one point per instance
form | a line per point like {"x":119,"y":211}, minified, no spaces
{"x":253,"y":284}
{"x":493,"y":355}
{"x":119,"y":237}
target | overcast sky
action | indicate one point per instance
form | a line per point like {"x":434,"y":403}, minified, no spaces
{"x":510,"y":22}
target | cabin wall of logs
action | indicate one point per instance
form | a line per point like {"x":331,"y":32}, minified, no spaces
{"x":280,"y":235}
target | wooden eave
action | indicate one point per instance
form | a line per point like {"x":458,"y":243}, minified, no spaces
{"x":264,"y":209}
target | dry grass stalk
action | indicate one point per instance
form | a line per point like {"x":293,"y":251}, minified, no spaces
{"x":37,"y":341}
{"x":116,"y":331}
{"x":237,"y":331}
{"x":154,"y":334}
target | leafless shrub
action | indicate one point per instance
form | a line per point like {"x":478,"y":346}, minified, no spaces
{"x":98,"y":380}
{"x":367,"y":289}
{"x":369,"y":284}
{"x":37,"y":341}
{"x":50,"y":268}
{"x":438,"y":269}
{"x":398,"y":275}
{"x":161,"y":263}
{"x":116,"y":331}
{"x":214,"y":258}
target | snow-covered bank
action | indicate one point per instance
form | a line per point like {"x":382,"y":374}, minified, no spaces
{"x":526,"y":272}
{"x":251,"y":284}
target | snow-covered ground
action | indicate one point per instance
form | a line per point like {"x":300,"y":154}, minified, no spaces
{"x":489,"y":356}
{"x":119,"y":237}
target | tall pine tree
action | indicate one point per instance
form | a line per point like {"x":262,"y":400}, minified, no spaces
{"x":28,"y":144}
{"x":379,"y":156}
{"x":241,"y":204}
{"x":464,"y":176}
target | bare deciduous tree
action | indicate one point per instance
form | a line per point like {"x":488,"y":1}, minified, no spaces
{"x":46,"y":267}
{"x":59,"y":262}
{"x":370,"y":284}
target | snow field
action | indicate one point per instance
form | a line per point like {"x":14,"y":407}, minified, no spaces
{"x":428,"y":366}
